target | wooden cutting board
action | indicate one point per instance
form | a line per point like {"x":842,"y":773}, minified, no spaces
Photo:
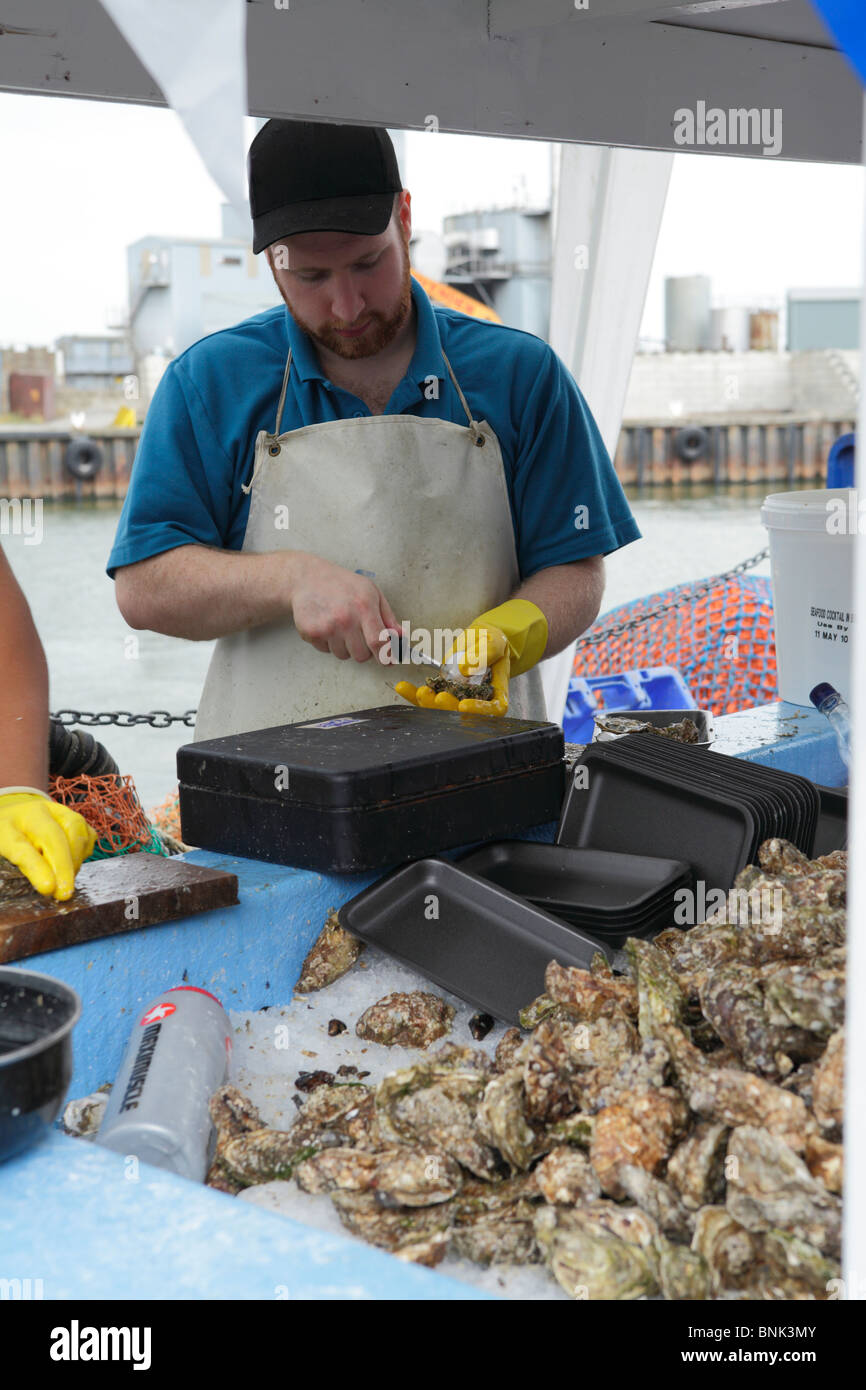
{"x":111,"y":896}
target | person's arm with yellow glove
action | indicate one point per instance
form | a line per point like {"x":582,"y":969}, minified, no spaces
{"x":46,"y":841}
{"x":548,"y":611}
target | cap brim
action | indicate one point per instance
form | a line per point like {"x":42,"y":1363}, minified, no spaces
{"x":365,"y":215}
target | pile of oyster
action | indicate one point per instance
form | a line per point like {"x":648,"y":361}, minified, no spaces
{"x":673,"y":1132}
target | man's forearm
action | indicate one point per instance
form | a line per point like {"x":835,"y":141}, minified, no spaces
{"x":201,"y":593}
{"x":569,"y":596}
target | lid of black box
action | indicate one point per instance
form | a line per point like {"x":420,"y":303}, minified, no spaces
{"x":369,"y":756}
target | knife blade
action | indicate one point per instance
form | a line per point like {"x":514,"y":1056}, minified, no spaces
{"x":402,"y":654}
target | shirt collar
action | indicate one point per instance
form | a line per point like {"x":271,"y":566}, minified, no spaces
{"x":427,"y":360}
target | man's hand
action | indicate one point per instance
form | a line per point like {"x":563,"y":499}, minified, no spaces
{"x":48,"y":842}
{"x":340,"y":612}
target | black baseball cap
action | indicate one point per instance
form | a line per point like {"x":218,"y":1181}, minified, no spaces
{"x":311,"y":176}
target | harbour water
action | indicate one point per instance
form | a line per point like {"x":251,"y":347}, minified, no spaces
{"x":97,"y":663}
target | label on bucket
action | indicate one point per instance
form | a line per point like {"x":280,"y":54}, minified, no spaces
{"x":831,"y":624}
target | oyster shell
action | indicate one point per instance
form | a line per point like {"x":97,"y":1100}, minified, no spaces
{"x":232,"y":1114}
{"x":262,"y":1155}
{"x":549,"y":1075}
{"x":565,"y":1177}
{"x":497,"y":1240}
{"x":739,"y":1098}
{"x":531,"y":1015}
{"x":659,"y":1201}
{"x":640,"y":1071}
{"x":696,"y":1168}
{"x":780,"y":856}
{"x":590,"y":1262}
{"x":828,"y":1084}
{"x":13,"y":884}
{"x":435,"y":1102}
{"x":418,"y":1234}
{"x":683,"y":1273}
{"x":738,"y":1004}
{"x":493,"y":1224}
{"x":573,"y":1129}
{"x":810,"y":996}
{"x":641,"y":1128}
{"x":508,"y":1050}
{"x":83,"y":1117}
{"x":332,"y":954}
{"x":361,"y":1125}
{"x":400,"y":1176}
{"x":501,"y":1121}
{"x":800,"y":1264}
{"x":406,"y":1020}
{"x":800,"y":1081}
{"x":768,"y":1185}
{"x":662,"y":1002}
{"x":732,"y":1253}
{"x":249,"y":1152}
{"x":587,"y":993}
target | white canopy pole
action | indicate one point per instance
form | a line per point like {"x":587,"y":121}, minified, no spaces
{"x":854,"y":1243}
{"x":607,"y":212}
{"x":196,"y":51}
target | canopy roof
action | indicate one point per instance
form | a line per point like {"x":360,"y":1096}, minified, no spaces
{"x":613,"y":73}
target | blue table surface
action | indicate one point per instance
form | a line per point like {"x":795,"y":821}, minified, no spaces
{"x":70,"y":1216}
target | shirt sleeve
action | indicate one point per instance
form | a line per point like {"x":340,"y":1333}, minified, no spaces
{"x":568,"y":501}
{"x":180,"y":488}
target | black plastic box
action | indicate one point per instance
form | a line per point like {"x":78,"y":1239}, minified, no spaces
{"x":370,"y":789}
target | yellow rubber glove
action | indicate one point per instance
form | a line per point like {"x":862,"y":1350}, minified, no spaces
{"x":509,"y":639}
{"x":426,"y":698}
{"x":46,"y":841}
{"x":523,"y":628}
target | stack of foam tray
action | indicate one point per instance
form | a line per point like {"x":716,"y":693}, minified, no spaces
{"x":472,"y":937}
{"x":651,"y":796}
{"x":609,"y":896}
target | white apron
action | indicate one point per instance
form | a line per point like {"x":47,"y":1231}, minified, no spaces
{"x":420,"y":506}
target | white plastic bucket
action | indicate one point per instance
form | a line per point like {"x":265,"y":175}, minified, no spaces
{"x":812,"y":537}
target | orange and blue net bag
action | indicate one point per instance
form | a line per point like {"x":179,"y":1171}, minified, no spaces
{"x":718,"y":633}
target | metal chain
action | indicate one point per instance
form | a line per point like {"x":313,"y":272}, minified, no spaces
{"x":161,"y":719}
{"x":157,"y":719}
{"x":692,"y":592}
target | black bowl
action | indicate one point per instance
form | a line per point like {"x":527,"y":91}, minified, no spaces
{"x":37,"y":1016}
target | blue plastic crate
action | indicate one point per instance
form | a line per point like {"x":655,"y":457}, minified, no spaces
{"x":652,"y":687}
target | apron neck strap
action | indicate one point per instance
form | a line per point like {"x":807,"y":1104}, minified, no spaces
{"x":479,"y":437}
{"x":283,"y":395}
{"x":472,"y":422}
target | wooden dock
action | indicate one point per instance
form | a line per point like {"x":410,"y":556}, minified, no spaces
{"x":778,"y":449}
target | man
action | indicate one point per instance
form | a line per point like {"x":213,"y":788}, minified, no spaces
{"x":416,"y":466}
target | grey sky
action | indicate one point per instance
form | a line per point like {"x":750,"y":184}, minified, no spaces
{"x":82,"y":179}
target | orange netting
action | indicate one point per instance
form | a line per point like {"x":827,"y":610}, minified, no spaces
{"x":111,"y":806}
{"x":166,"y":816}
{"x":721,"y":640}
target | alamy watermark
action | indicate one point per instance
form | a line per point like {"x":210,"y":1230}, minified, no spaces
{"x":22,"y":516}
{"x":712,"y":125}
{"x":739,"y":906}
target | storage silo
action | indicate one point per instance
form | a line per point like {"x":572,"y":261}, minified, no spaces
{"x":687,"y":313}
{"x":729,"y":330}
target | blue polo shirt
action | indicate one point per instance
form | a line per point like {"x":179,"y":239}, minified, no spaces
{"x":198,"y":440}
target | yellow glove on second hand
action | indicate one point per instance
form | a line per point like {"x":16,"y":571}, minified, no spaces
{"x":509,"y":639}
{"x":48,"y":842}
